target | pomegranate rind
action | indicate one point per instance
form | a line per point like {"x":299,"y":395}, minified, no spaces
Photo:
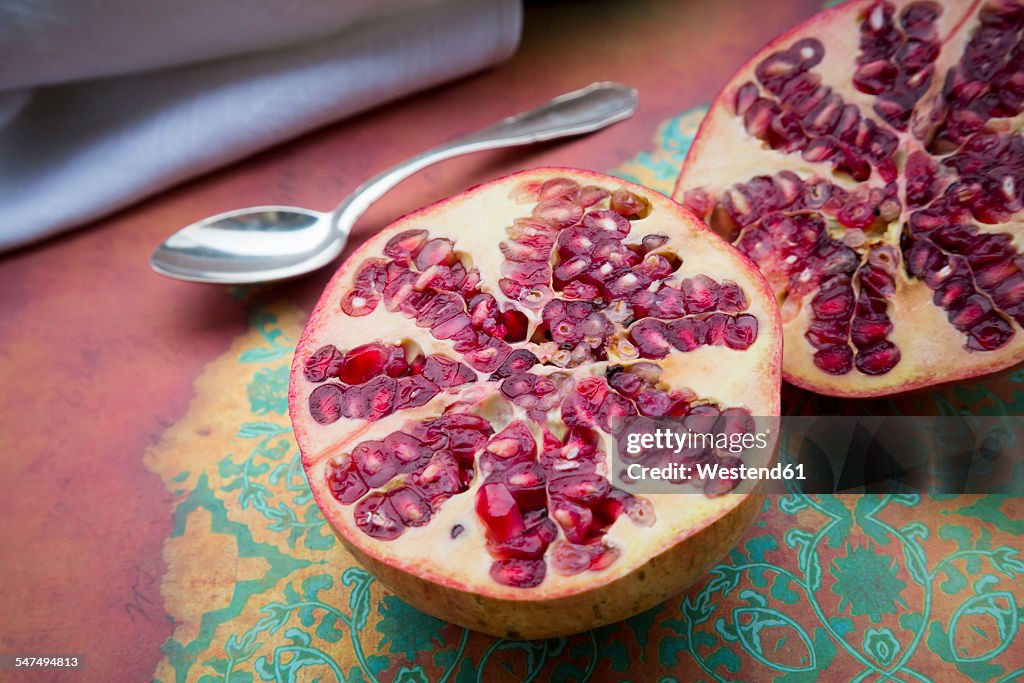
{"x":692,"y":531}
{"x":723,"y":153}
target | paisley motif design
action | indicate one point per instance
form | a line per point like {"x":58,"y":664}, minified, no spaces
{"x":858,"y":588}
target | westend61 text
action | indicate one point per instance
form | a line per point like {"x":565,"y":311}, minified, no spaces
{"x":704,"y":471}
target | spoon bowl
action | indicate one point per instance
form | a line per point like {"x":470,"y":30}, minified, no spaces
{"x":244,"y":246}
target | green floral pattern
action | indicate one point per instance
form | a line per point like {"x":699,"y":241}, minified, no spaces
{"x":868,"y":588}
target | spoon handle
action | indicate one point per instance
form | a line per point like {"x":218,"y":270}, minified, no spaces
{"x":581,"y":111}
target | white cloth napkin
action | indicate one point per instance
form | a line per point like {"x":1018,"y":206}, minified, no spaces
{"x":103,"y":102}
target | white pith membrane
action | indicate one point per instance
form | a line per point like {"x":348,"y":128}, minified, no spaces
{"x":452,"y":547}
{"x":939,"y":85}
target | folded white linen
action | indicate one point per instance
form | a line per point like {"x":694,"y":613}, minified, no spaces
{"x":103,"y":102}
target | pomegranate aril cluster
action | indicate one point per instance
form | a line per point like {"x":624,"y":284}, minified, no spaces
{"x":416,"y":470}
{"x":793,"y":112}
{"x":702,"y":312}
{"x":375,"y":380}
{"x":990,"y":264}
{"x":896,"y":60}
{"x":524,"y":501}
{"x":988,"y":81}
{"x":425,"y":279}
{"x":782,"y":224}
{"x":601,"y":282}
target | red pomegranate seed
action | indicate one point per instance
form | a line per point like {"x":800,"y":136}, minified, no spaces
{"x":519,"y":573}
{"x":669,"y":303}
{"x":408,"y":451}
{"x":445,"y":372}
{"x":590,"y":195}
{"x":579,"y":290}
{"x":516,"y":325}
{"x":374,"y":463}
{"x":741,"y":331}
{"x":558,"y":188}
{"x":345,"y":483}
{"x":322,"y":364}
{"x":607,"y":223}
{"x":529,"y":545}
{"x":372,"y":275}
{"x":499,"y":512}
{"x":878,"y":359}
{"x":489,"y":356}
{"x":524,"y":251}
{"x":639,"y":510}
{"x":650,"y":338}
{"x":466,"y":442}
{"x":992,"y":332}
{"x":654,"y":403}
{"x":835,"y":360}
{"x":410,"y":506}
{"x":405,"y":244}
{"x":866,"y":331}
{"x":376,"y":517}
{"x":568,"y":559}
{"x":701,"y":294}
{"x":716,"y":329}
{"x":325,"y":403}
{"x":440,"y":478}
{"x":435,"y":252}
{"x":622,"y":283}
{"x":414,"y":392}
{"x":626,"y":383}
{"x":686,"y":334}
{"x":629,"y":205}
{"x":363,"y":363}
{"x":358,"y":304}
{"x":826,"y":333}
{"x":527,"y":273}
{"x":525,"y":480}
{"x":834,"y":300}
{"x":602,"y":556}
{"x":731,"y":298}
{"x":400,"y":294}
{"x":439,"y":308}
{"x":518,"y":361}
{"x":586,"y":489}
{"x":574,"y":519}
{"x":611,"y":412}
{"x":513,"y":442}
{"x":558,"y":213}
{"x":379,"y":395}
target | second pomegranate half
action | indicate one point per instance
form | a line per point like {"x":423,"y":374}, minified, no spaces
{"x":455,"y":392}
{"x":871,"y":162}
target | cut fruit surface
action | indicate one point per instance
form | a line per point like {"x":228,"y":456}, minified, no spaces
{"x":871,"y":162}
{"x":456,"y":390}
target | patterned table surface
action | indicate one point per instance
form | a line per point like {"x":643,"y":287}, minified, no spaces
{"x":156,"y":518}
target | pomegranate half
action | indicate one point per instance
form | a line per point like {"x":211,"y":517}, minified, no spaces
{"x":455,"y":390}
{"x":871,"y":162}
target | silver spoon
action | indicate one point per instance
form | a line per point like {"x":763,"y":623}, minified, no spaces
{"x":267,"y":243}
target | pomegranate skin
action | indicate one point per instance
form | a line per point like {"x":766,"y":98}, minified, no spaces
{"x":440,"y":566}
